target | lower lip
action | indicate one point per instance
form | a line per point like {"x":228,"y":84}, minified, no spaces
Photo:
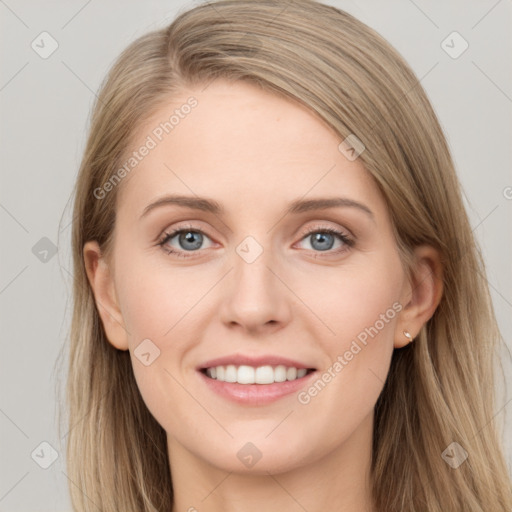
{"x":256,"y":394}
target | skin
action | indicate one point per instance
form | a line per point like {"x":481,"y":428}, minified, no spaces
{"x":254,"y":152}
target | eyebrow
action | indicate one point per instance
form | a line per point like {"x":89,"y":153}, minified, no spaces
{"x":295,"y":207}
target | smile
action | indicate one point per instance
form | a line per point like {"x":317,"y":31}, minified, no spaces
{"x":244,"y":374}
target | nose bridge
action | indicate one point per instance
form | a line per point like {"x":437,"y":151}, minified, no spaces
{"x":256,"y":295}
{"x":250,"y":249}
{"x":252,"y":261}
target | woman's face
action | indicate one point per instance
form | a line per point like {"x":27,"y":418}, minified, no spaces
{"x":254,"y":279}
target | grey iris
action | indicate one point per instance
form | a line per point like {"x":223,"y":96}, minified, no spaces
{"x":320,"y":237}
{"x":188,"y":237}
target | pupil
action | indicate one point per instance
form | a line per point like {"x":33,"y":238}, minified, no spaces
{"x":320,"y":237}
{"x":189,"y":237}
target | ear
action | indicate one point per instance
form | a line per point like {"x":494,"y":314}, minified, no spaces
{"x":102,"y":284}
{"x":421,"y":295}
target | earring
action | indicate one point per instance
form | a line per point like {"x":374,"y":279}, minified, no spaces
{"x":407,"y":334}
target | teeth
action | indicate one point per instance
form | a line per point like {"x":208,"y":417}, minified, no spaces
{"x":250,"y":375}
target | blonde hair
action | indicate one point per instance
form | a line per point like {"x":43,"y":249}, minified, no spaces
{"x":440,"y":389}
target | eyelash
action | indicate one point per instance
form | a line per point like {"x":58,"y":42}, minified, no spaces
{"x":182,"y":254}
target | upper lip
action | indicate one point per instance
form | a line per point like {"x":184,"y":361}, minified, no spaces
{"x":263,"y":360}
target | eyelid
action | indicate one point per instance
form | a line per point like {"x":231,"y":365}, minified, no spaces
{"x":176,"y":229}
{"x":326,"y":227}
{"x":341,"y":233}
{"x":193,"y":225}
{"x":188,"y":224}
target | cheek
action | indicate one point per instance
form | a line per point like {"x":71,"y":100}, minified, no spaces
{"x":155,"y":314}
{"x":154,"y":304}
{"x":361,"y":309}
{"x":151,"y":303}
{"x":360,"y":298}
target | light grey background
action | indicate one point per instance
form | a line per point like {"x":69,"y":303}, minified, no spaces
{"x":45,"y":107}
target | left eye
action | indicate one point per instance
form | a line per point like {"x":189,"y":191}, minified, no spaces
{"x":191,"y":240}
{"x":323,"y":239}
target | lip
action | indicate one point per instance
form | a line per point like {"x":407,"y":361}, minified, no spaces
{"x":255,"y":394}
{"x":263,"y":360}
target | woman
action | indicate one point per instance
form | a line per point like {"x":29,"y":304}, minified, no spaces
{"x":327,"y":339}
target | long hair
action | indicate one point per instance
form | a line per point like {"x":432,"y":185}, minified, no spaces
{"x":439,"y":390}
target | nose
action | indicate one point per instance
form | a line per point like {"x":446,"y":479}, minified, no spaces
{"x":256,"y":296}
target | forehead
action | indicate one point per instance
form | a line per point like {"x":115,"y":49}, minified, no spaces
{"x":243,"y":145}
